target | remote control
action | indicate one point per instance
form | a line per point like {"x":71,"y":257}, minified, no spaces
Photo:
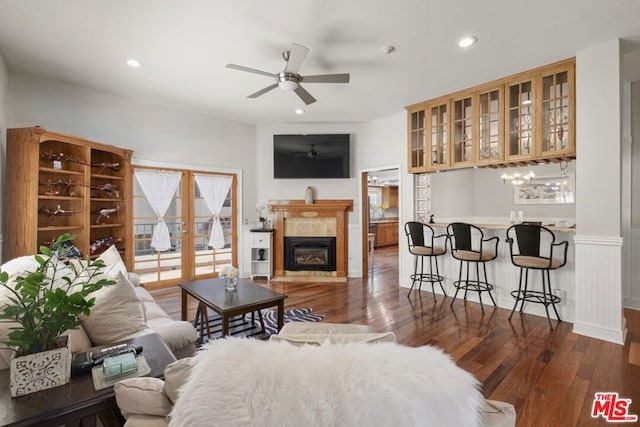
{"x":112,"y":351}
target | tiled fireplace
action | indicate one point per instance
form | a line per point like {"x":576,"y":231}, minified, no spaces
{"x":310,"y":241}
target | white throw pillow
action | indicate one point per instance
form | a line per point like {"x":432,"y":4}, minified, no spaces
{"x":117,"y":313}
{"x":142,"y":396}
{"x":20,"y":264}
{"x":113,"y":261}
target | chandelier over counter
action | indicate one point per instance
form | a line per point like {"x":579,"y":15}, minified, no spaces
{"x":517,"y":178}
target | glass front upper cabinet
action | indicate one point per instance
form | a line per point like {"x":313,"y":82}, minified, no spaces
{"x":438,"y":134}
{"x":417,"y":148}
{"x":490,"y":131}
{"x":556,"y":112}
{"x":463,"y":130}
{"x":520,"y":117}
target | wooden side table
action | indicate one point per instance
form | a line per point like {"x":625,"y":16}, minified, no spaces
{"x":77,"y":403}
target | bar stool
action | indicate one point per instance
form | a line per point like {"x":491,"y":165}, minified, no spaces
{"x":468,"y":245}
{"x":534,"y":247}
{"x":423,"y":242}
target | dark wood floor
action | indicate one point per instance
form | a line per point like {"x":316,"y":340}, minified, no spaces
{"x":550,"y":376}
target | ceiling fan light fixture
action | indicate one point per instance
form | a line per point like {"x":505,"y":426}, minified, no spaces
{"x":288,"y":81}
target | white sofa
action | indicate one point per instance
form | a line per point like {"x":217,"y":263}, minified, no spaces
{"x":121,"y":311}
{"x":348,"y":376}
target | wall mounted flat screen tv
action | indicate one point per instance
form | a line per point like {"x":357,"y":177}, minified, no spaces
{"x":311,"y":156}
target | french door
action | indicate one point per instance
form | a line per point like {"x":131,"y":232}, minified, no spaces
{"x":190,"y":222}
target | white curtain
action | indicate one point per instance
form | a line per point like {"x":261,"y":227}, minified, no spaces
{"x":159,"y":187}
{"x":214,"y":190}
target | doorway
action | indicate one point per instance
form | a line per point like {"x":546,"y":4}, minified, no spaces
{"x":190,"y":223}
{"x":380,"y":189}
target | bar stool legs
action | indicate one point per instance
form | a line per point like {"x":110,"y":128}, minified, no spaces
{"x":545,"y":297}
{"x":429,"y":277}
{"x":477,"y":285}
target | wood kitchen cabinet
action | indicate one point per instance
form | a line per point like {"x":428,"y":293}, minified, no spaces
{"x":428,"y":133}
{"x":390,"y":196}
{"x":387,"y":234}
{"x":522,"y":118}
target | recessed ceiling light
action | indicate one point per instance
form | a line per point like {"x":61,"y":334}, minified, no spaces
{"x":299,"y":111}
{"x":133,"y":63}
{"x":467,"y":41}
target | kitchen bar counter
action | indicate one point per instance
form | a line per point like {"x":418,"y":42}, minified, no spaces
{"x":504,"y":226}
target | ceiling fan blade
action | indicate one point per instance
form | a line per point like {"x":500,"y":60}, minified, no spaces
{"x":263,"y":91}
{"x":304,"y":95}
{"x":250,"y":70}
{"x":296,"y":56}
{"x":327,"y":78}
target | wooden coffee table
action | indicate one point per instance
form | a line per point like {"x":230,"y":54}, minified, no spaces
{"x":77,"y":403}
{"x":247,"y":298}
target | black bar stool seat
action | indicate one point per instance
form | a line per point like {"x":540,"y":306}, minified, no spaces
{"x":423,"y":242}
{"x":533,"y":247}
{"x":468,"y":245}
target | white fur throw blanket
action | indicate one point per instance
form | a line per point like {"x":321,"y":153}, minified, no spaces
{"x":247,"y":382}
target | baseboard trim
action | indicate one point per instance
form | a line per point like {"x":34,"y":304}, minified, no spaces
{"x":631,"y":302}
{"x":598,"y":332}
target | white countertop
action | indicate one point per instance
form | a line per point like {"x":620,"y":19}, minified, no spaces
{"x":490,"y":224}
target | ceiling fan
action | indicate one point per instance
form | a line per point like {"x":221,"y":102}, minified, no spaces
{"x":289,"y":79}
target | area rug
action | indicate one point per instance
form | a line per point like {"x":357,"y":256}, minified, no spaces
{"x":294,"y":315}
{"x":242,"y":325}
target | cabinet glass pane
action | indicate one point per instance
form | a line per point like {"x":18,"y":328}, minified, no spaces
{"x":462,"y":131}
{"x":489,"y":125}
{"x":520,"y":123}
{"x":439,"y":135}
{"x":555,"y":112}
{"x":417,"y":138}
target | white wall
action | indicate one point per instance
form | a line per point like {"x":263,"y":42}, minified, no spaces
{"x":155,"y":132}
{"x":4,"y":82}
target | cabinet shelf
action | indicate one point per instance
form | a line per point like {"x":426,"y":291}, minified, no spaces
{"x":46,"y":197}
{"x":106,"y":225}
{"x":59,"y":227}
{"x":110,"y":177}
{"x":104,"y":199}
{"x":60,"y":171}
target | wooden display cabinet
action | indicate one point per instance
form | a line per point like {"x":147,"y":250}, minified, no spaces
{"x":524,"y":118}
{"x":464,"y":130}
{"x":521,"y":131}
{"x":557,"y":111}
{"x":416,"y":136}
{"x":490,"y":133}
{"x":59,"y":183}
{"x":437,"y":128}
{"x":428,"y":136}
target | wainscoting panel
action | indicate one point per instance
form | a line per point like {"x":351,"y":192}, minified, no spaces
{"x":599,"y":288}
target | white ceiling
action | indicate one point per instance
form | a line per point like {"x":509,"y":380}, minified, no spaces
{"x":185,"y":45}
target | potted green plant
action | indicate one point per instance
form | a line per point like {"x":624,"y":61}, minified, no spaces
{"x":42,"y":305}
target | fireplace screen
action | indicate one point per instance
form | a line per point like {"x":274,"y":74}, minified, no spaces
{"x":310,"y":253}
